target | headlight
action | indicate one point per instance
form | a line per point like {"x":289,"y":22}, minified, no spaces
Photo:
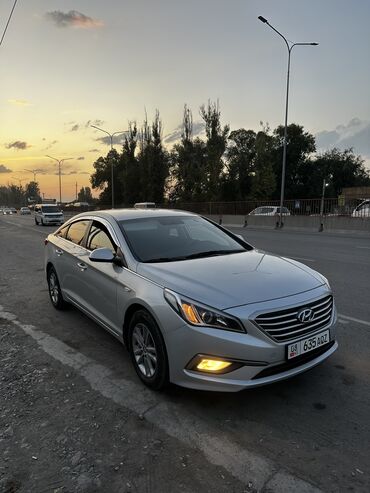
{"x":202,"y":316}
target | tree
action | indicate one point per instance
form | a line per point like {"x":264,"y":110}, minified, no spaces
{"x":153,"y":161}
{"x":84,"y":195}
{"x":264,"y":180}
{"x":32,"y":191}
{"x":215,"y":147}
{"x":130,"y":174}
{"x":101,"y":178}
{"x":188,"y":165}
{"x":300,"y":145}
{"x":339,"y":168}
{"x":240,"y":157}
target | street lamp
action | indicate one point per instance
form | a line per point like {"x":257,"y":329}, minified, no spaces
{"x":34,"y":173}
{"x":111,"y":148}
{"x":290,"y":46}
{"x":19,"y":179}
{"x":60,"y":161}
{"x":324,"y":185}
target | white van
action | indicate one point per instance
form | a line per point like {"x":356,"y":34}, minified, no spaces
{"x":46,"y":214}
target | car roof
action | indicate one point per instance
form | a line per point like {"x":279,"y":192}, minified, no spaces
{"x":122,"y":214}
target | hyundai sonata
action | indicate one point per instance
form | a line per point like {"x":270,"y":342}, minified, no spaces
{"x":193,"y":303}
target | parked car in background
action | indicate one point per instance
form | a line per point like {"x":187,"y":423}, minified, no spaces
{"x":144,"y":205}
{"x":7,"y":212}
{"x":24,"y":211}
{"x":362,"y":210}
{"x":13,"y":210}
{"x":269,"y":211}
{"x":46,"y":214}
{"x":194,"y":304}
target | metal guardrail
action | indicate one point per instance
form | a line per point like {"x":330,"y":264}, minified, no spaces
{"x":296,"y":207}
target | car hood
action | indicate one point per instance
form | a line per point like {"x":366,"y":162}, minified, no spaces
{"x":233,"y":280}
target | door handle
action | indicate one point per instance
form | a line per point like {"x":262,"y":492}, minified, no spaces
{"x":82,"y":266}
{"x":59,"y":252}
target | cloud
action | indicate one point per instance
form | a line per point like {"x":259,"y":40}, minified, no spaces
{"x":97,"y":123}
{"x":81,"y":158}
{"x":117,"y":139}
{"x":175,"y":135}
{"x":50,"y":145}
{"x":19,"y":102}
{"x":94,"y":150}
{"x":73,"y":18}
{"x":355,"y":134}
{"x":18,"y":144}
{"x":4,"y":169}
{"x":75,"y":127}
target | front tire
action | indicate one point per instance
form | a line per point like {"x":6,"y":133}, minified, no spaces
{"x":148,"y":351}
{"x":55,"y":292}
{"x":36,"y":222}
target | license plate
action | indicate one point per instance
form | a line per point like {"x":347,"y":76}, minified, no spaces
{"x":308,"y":344}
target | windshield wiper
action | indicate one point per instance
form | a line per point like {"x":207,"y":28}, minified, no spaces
{"x":213,"y":253}
{"x":163,"y":259}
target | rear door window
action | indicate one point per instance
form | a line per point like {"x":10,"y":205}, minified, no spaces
{"x":76,"y":232}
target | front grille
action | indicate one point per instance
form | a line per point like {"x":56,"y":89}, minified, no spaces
{"x":284,"y":325}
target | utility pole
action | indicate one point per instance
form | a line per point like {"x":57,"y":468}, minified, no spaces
{"x":76,"y":190}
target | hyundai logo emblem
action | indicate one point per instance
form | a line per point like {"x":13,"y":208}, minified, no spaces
{"x":305,"y":315}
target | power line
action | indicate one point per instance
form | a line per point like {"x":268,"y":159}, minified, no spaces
{"x":7,"y":24}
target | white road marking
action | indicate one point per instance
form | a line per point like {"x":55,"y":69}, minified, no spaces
{"x":367,"y":247}
{"x":352,"y":319}
{"x":170,"y":417}
{"x":342,"y":321}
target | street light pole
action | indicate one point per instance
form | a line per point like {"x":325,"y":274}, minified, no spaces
{"x":289,"y":46}
{"x":34,"y":173}
{"x":60,"y":161}
{"x":111,"y":160}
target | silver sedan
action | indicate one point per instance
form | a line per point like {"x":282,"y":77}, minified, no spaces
{"x":193,"y":303}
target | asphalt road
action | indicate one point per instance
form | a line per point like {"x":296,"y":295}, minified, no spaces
{"x":311,"y":431}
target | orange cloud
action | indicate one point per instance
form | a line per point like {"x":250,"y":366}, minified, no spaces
{"x":73,"y":18}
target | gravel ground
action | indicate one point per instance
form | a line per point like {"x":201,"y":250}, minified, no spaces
{"x":54,"y":431}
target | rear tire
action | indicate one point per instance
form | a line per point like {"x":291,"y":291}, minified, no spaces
{"x":147,"y":350}
{"x":36,"y":222}
{"x":55,"y":292}
{"x":42,"y":222}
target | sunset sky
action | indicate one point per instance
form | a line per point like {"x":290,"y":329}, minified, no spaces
{"x":67,"y":64}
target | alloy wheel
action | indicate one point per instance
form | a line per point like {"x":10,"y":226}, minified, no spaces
{"x":54,"y":288}
{"x":144,"y":350}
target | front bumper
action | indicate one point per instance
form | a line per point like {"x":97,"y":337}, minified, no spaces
{"x":264,"y":360}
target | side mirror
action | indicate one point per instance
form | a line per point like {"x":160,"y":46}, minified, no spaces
{"x":102,"y":255}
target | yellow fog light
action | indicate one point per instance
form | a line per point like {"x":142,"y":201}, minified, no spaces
{"x":212,"y":365}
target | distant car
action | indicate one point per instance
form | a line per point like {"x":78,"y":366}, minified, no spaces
{"x":46,"y":214}
{"x":269,"y":211}
{"x":13,"y":210}
{"x":144,"y":205}
{"x":362,"y":210}
{"x":24,"y":211}
{"x":7,"y":212}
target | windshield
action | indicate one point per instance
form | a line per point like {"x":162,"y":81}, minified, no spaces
{"x":49,"y":209}
{"x":171,"y":238}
